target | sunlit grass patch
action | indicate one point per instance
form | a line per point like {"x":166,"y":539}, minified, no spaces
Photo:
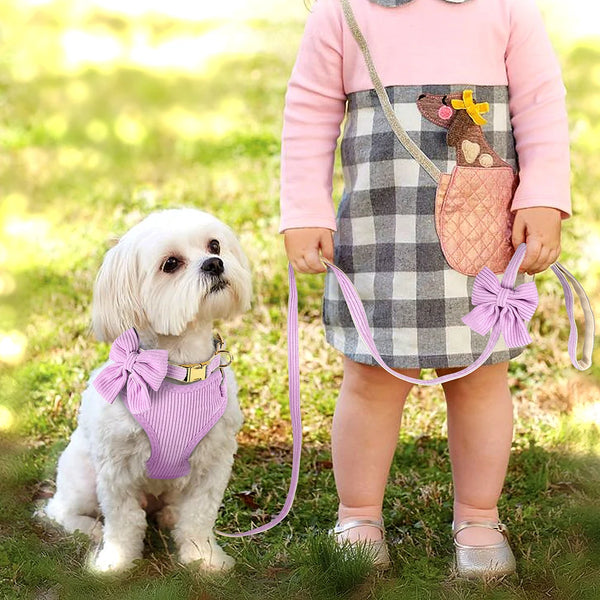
{"x":330,"y":570}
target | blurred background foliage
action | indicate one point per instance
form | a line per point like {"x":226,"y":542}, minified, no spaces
{"x":110,"y":109}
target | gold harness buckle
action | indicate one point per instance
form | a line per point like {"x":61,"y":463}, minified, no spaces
{"x":199,"y":371}
{"x":195,"y":372}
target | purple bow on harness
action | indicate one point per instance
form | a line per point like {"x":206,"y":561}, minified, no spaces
{"x":134,"y":369}
{"x":510,"y":308}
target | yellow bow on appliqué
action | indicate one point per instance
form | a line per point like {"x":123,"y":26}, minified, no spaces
{"x":473,"y":110}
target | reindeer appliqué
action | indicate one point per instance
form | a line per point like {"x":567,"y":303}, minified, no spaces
{"x":461,"y":116}
{"x":473,"y":215}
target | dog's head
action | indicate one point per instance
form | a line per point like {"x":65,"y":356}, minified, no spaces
{"x":175,"y":269}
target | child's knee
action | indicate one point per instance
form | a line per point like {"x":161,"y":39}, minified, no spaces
{"x":487,"y":378}
{"x":373,"y":381}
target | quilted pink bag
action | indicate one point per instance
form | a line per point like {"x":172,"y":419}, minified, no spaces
{"x":473,"y":203}
{"x":473,"y":218}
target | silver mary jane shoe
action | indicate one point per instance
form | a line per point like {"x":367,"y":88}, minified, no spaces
{"x":377,"y":548}
{"x":484,"y":562}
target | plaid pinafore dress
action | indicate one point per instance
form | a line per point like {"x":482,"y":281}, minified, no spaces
{"x":386,"y":240}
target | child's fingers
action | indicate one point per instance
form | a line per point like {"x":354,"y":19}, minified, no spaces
{"x":300,"y":265}
{"x":305,"y":265}
{"x":550,"y":257}
{"x":303,"y":247}
{"x":532,"y":254}
{"x":308,"y":261}
{"x":327,"y":246}
{"x":546,"y":257}
{"x":518,"y":232}
{"x":542,"y":263}
{"x":298,"y":261}
{"x":539,"y":227}
{"x":313,"y":262}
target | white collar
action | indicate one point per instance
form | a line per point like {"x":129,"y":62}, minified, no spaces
{"x":394,"y":3}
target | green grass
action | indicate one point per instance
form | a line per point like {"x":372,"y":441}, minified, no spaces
{"x":89,"y":150}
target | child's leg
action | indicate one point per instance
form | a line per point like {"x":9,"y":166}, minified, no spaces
{"x":480,"y":428}
{"x":364,"y":437}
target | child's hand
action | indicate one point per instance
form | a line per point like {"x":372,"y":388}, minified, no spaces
{"x":539,"y":227}
{"x":303,"y":245}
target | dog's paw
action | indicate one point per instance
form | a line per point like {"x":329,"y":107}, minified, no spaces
{"x":111,"y":559}
{"x":208,"y":556}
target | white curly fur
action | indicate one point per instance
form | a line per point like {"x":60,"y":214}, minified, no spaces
{"x":102,"y":472}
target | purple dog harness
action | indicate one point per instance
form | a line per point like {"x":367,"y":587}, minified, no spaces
{"x":174,"y":415}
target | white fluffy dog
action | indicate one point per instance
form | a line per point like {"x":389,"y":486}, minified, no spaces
{"x":169,"y":277}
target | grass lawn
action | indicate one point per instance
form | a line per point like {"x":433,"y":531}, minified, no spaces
{"x":105,"y":117}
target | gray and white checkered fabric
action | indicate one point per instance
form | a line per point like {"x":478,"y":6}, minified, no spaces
{"x":386,"y":240}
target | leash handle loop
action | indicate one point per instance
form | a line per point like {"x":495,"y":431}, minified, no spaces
{"x":568,"y":280}
{"x":359,"y":317}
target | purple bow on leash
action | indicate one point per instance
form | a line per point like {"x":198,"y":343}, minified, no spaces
{"x":510,"y":308}
{"x":134,"y":370}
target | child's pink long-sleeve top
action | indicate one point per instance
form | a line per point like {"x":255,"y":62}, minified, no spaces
{"x":478,"y":42}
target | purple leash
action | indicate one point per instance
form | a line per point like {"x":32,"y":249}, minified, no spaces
{"x":499,"y":307}
{"x":567,"y":280}
{"x":296,"y":417}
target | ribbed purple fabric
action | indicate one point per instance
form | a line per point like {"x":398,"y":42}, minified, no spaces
{"x":510,"y":308}
{"x":137,"y":371}
{"x":180,"y":415}
{"x":295,"y":414}
{"x":174,"y":416}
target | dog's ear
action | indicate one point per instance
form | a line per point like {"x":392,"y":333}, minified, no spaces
{"x":116,"y":305}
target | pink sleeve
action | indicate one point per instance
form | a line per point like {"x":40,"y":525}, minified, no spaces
{"x":314,"y":109}
{"x":539,"y":117}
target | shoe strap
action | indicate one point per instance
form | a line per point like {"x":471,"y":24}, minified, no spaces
{"x":495,"y":525}
{"x":358,"y":523}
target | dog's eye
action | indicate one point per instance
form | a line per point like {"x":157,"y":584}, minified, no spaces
{"x":214,"y":247}
{"x":171,"y":264}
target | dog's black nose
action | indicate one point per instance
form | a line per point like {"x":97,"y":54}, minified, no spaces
{"x":213,"y":265}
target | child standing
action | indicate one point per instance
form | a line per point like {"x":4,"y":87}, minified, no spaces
{"x":384,"y":236}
